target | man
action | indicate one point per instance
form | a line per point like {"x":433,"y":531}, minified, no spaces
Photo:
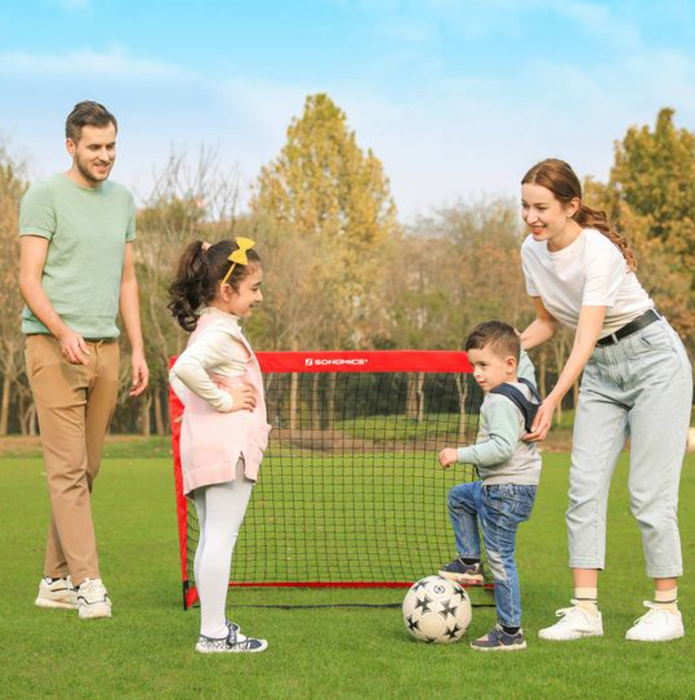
{"x":77,"y":270}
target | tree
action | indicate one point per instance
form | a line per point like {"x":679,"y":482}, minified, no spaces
{"x":653,"y":174}
{"x":326,"y":194}
{"x":445,"y":274}
{"x":451,"y":271}
{"x":651,"y":199}
{"x":12,"y":187}
{"x":186,"y":203}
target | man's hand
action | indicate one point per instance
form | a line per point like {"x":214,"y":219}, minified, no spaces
{"x":141,"y":374}
{"x":448,"y":456}
{"x":73,"y":347}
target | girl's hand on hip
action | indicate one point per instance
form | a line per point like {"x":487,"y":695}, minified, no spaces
{"x":542,"y":421}
{"x":244,"y":398}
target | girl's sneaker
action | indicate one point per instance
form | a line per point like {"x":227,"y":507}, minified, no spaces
{"x":459,"y":571}
{"x":233,"y":627}
{"x":56,"y":593}
{"x":499,"y":640}
{"x":233,"y":643}
{"x":93,"y":600}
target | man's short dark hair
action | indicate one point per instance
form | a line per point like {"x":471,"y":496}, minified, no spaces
{"x":87,"y":113}
{"x":501,"y":337}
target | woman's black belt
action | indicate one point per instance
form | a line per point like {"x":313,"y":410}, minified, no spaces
{"x":647,"y":318}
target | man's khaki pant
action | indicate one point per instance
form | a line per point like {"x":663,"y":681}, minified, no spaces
{"x":75,"y":404}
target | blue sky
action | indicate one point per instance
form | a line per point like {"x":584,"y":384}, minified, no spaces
{"x":457,"y":98}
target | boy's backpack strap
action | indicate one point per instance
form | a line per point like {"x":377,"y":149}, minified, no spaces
{"x":532,"y":388}
{"x":528,"y":408}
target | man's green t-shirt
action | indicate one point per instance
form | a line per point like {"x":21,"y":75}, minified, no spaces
{"x":88,"y":229}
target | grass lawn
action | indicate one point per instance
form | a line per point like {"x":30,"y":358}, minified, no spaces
{"x":146,"y":650}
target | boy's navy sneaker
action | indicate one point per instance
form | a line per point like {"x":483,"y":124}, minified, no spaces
{"x":499,"y":640}
{"x":459,"y":571}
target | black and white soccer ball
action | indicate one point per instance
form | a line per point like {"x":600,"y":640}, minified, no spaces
{"x":437,"y":610}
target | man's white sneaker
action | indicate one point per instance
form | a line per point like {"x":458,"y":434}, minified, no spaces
{"x":574,"y":623}
{"x":92,"y":599}
{"x":56,"y":593}
{"x":657,"y":625}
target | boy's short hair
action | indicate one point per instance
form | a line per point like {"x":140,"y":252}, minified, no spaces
{"x":87,"y":113}
{"x":500,"y":337}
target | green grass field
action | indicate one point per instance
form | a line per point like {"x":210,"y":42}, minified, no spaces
{"x":146,"y":650}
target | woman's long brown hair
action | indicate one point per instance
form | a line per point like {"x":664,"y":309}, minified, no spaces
{"x":558,"y":177}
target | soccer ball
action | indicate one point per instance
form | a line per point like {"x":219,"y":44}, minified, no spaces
{"x":437,"y":610}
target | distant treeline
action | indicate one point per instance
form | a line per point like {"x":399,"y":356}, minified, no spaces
{"x":342,"y":272}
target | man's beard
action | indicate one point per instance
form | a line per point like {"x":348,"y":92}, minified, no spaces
{"x":87,"y":175}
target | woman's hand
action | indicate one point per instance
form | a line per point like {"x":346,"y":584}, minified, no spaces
{"x":542,"y":421}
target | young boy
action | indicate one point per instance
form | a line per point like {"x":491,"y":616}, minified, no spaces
{"x":509,"y":471}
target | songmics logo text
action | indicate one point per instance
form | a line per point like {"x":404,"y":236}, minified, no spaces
{"x":335,"y":362}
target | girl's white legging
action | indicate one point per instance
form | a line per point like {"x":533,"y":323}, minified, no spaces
{"x":221,"y":509}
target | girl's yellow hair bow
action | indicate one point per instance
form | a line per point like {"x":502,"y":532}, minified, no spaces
{"x":238,"y":257}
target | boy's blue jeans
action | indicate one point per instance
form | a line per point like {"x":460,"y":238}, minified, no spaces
{"x":498,"y":509}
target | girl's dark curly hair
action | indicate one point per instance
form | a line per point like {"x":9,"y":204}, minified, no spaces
{"x":199,"y":275}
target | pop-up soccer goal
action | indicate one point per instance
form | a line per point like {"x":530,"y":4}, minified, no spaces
{"x":350,"y":492}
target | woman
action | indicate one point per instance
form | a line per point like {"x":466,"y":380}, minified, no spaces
{"x":637,"y":381}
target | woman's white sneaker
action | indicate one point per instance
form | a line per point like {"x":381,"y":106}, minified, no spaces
{"x":93,"y":600}
{"x":657,"y":625}
{"x":56,"y":593}
{"x":575,"y":623}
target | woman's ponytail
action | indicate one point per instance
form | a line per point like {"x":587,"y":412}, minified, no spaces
{"x":587,"y":217}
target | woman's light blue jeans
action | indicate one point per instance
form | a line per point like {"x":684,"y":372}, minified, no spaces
{"x":641,"y":388}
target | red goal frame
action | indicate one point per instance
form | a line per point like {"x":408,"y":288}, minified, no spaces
{"x":308,"y":362}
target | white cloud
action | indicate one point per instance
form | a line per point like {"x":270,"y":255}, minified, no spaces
{"x":409,"y":32}
{"x":439,"y":140}
{"x":112,"y":63}
{"x":266,"y":106}
{"x":599,"y":20}
{"x":472,"y":19}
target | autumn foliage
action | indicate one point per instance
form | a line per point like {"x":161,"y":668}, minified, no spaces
{"x":342,"y":271}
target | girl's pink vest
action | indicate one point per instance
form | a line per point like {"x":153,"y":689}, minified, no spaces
{"x":212,"y":442}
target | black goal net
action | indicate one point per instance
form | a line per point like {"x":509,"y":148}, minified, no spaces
{"x":350,"y":492}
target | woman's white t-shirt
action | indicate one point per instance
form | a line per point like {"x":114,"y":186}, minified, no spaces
{"x":591,"y":271}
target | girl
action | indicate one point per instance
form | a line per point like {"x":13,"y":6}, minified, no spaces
{"x":224,"y":430}
{"x":637,"y":381}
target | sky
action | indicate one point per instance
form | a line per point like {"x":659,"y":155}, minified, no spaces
{"x":457,"y":98}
